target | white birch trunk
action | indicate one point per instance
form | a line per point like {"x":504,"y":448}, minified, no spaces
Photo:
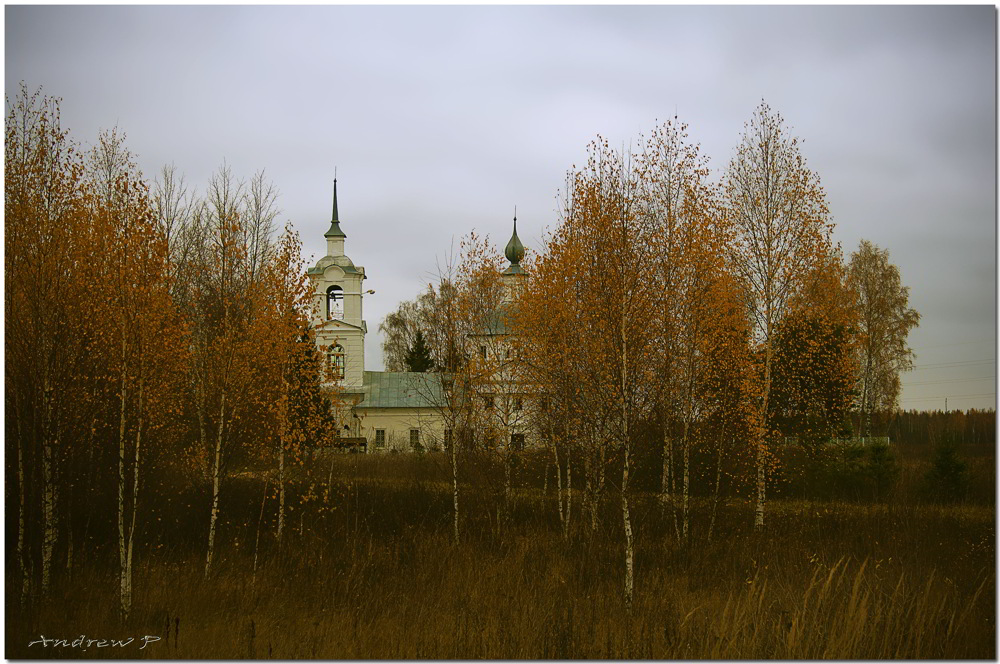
{"x":758,"y":520}
{"x":256,"y":542}
{"x":216,"y":476}
{"x":454,"y":481}
{"x":667,"y":457}
{"x":508,"y":463}
{"x":123,"y":397}
{"x":21,"y":556}
{"x":49,"y":531}
{"x":200,"y":407}
{"x":126,"y":597}
{"x":281,"y":489}
{"x":589,"y":486}
{"x":718,"y":482}
{"x":686,"y":483}
{"x":282,"y":438}
{"x":21,"y":508}
{"x":598,"y":490}
{"x":626,"y":520}
{"x":559,"y":488}
{"x":668,"y":498}
{"x":569,"y":493}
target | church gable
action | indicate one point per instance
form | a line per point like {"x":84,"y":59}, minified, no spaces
{"x":333,"y":273}
{"x":336,"y":325}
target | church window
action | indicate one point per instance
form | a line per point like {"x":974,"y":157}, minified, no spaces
{"x":379,"y":437}
{"x":335,"y":303}
{"x":448,"y":437}
{"x":335,"y":362}
{"x":415,"y":438}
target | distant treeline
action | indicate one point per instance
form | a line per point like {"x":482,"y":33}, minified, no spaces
{"x":971,"y":427}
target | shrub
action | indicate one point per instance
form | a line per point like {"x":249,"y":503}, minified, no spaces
{"x":841,"y":472}
{"x":882,"y":470}
{"x":947,"y":480}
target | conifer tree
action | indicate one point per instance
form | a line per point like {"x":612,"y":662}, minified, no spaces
{"x":418,"y":358}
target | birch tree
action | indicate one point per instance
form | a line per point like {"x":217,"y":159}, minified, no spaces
{"x":729,"y":390}
{"x":173,"y":206}
{"x":222,"y":300}
{"x":780,"y":219}
{"x":293,"y":414}
{"x":492,"y":369}
{"x":691,"y":242}
{"x":399,"y":329}
{"x":885,"y":321}
{"x":44,"y":211}
{"x":94,"y":346}
{"x":436,"y":313}
{"x":551,"y":339}
{"x":138,"y":336}
{"x":602,"y":223}
{"x":815,"y":367}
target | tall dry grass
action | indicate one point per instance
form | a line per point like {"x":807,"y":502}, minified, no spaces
{"x":374,"y":574}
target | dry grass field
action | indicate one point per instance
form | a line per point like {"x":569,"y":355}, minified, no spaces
{"x":369,"y":570}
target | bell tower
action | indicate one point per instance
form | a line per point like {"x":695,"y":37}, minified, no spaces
{"x":338,"y":322}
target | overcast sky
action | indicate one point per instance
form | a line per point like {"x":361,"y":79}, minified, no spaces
{"x":441,"y":119}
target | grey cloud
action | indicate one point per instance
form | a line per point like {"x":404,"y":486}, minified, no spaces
{"x":443,"y":118}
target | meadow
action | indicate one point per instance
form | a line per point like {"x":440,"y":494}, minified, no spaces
{"x":368,"y":569}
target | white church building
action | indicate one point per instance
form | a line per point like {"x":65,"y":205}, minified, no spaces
{"x":387,"y":410}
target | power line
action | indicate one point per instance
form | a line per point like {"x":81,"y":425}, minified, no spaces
{"x":951,"y":380}
{"x":967,"y":363}
{"x":952,"y":396}
{"x":960,"y":343}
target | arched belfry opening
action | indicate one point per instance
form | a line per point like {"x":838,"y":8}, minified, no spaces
{"x":335,"y":303}
{"x":336,"y":363}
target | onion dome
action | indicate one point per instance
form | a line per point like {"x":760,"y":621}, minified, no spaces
{"x":515,"y":250}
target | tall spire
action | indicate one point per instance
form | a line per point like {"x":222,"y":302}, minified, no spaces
{"x":335,"y":221}
{"x":335,"y":218}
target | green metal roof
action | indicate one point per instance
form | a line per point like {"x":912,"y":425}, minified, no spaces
{"x":335,"y":231}
{"x":401,"y":389}
{"x":348,"y":269}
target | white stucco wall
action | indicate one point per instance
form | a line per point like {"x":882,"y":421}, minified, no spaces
{"x":397,"y":423}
